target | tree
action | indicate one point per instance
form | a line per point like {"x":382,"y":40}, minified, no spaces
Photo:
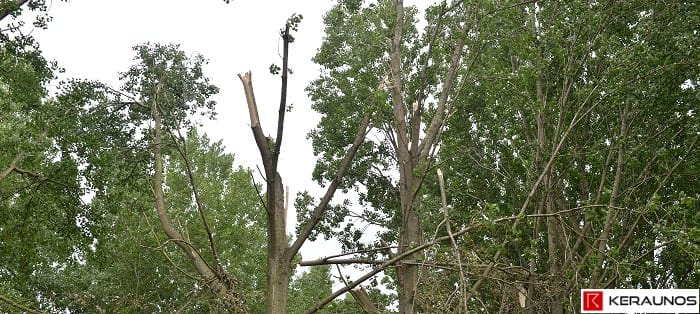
{"x":409,"y":90}
{"x":39,"y":184}
{"x":544,"y":105}
{"x":166,"y":86}
{"x":508,"y":155}
{"x":563,"y":124}
{"x":281,"y":254}
{"x":135,"y":267}
{"x":309,"y":288}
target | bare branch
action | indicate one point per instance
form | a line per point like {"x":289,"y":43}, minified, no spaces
{"x":195,"y":192}
{"x":360,"y":295}
{"x":455,"y":248}
{"x":340,"y":261}
{"x":257,"y":191}
{"x":324,"y":260}
{"x":260,"y":140}
{"x":283,"y":98}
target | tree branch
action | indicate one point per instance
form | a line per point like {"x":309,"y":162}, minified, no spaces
{"x":17,"y":305}
{"x":318,"y":212}
{"x":195,"y":192}
{"x":439,"y":119}
{"x":323,"y":260}
{"x":6,"y":12}
{"x":455,"y":248}
{"x":283,"y":97}
{"x":258,"y":135}
{"x":12,"y":166}
{"x":399,"y":257}
{"x":360,"y":295}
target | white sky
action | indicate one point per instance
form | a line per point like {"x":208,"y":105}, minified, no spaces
{"x":92,"y":39}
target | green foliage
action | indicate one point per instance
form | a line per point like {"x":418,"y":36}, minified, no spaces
{"x":309,"y":288}
{"x":586,"y":90}
{"x":165,"y":74}
{"x":41,"y":211}
{"x":354,"y":57}
{"x":590,"y":63}
{"x":293,"y":24}
{"x":135,"y":248}
{"x":602,"y":79}
{"x":79,"y":206}
{"x":274,"y":69}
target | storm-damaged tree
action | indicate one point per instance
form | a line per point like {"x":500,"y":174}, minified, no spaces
{"x":524,"y":117}
{"x":144,"y":121}
{"x":373,"y":57}
{"x":166,"y":87}
{"x":280,"y":252}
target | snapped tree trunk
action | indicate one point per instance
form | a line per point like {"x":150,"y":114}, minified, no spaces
{"x":279,"y":264}
{"x":280,"y":252}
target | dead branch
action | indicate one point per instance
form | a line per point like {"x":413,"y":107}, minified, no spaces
{"x":360,"y":295}
{"x":258,"y":135}
{"x":455,"y":248}
{"x":195,"y":192}
{"x":323,"y":260}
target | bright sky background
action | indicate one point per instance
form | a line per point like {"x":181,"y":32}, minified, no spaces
{"x":92,"y":39}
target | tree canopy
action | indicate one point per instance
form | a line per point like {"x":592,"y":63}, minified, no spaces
{"x":492,"y":156}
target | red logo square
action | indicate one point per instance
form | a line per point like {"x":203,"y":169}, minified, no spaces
{"x":592,"y":300}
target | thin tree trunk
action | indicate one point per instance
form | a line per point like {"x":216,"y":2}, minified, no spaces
{"x":596,"y":277}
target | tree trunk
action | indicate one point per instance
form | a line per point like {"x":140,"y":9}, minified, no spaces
{"x":279,"y":264}
{"x":411,"y":236}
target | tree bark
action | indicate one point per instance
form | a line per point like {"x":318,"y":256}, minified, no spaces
{"x":279,"y":264}
{"x":412,"y":154}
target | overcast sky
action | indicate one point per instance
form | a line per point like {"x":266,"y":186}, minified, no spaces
{"x":92,"y":39}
